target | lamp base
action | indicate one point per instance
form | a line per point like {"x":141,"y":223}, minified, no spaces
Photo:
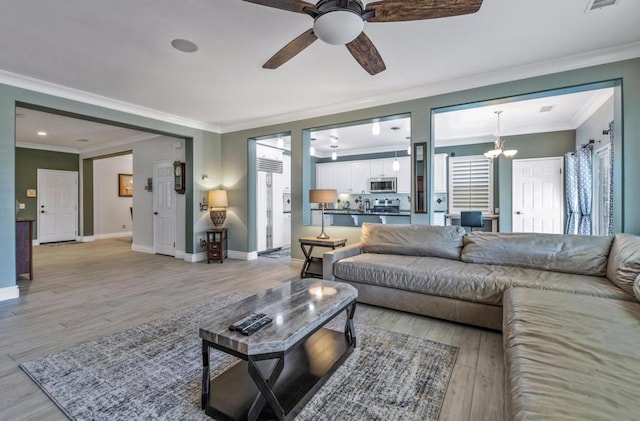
{"x":323,"y":236}
{"x":218,"y":216}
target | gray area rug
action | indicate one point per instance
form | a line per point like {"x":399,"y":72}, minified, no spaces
{"x":153,"y":372}
{"x":278,"y":254}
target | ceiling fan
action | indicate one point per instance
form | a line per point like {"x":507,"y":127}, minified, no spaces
{"x":340,"y":22}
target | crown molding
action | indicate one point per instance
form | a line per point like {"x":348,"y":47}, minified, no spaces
{"x":52,"y":148}
{"x":577,"y":61}
{"x":26,"y":82}
{"x":591,"y":107}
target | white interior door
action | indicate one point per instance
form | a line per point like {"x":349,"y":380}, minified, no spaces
{"x":538,"y":195}
{"x":164,"y":204}
{"x":57,"y":205}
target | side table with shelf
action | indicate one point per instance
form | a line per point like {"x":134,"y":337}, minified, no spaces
{"x":312,"y":266}
{"x":217,"y":244}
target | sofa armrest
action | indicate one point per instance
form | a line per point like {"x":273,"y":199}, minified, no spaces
{"x":330,"y":257}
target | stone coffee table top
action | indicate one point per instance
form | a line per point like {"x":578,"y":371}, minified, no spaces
{"x":297,"y":308}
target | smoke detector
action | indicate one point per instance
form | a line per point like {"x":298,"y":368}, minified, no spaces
{"x":599,"y":4}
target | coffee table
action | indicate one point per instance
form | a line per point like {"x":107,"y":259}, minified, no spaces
{"x":285,"y":362}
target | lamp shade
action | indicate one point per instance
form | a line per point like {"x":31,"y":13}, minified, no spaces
{"x":218,"y":199}
{"x":323,"y":195}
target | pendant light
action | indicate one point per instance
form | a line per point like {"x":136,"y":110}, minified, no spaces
{"x":280,"y":142}
{"x":375,"y":129}
{"x":409,"y":147}
{"x":498,"y":146}
{"x":334,"y":154}
{"x":396,"y":164}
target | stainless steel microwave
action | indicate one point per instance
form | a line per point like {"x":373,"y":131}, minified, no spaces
{"x":383,"y":185}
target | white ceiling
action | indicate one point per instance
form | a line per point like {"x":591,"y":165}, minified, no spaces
{"x":66,"y":134}
{"x":120,"y":50}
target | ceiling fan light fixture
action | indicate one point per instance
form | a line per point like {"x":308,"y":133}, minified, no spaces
{"x":338,"y":27}
{"x":510,"y":153}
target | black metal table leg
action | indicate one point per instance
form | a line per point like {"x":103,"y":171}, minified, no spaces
{"x":266,"y":392}
{"x":307,"y":259}
{"x":205,"y":374}
{"x":349,"y":328}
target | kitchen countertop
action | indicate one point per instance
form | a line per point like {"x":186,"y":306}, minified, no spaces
{"x":357,"y":212}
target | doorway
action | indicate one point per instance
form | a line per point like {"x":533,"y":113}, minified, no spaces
{"x":538,"y":195}
{"x":57,"y":205}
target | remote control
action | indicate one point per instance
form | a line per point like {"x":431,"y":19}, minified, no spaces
{"x":256,"y":326}
{"x":247,"y":321}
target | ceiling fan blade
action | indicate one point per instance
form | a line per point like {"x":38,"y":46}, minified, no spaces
{"x":290,"y":5}
{"x":405,"y":10}
{"x":365,"y":53}
{"x":291,"y":50}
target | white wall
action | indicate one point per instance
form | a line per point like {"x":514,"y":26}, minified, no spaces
{"x":145,"y":153}
{"x":593,"y":127}
{"x":111,"y":214}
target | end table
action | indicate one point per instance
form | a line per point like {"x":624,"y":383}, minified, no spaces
{"x":217,"y":244}
{"x":312,"y":266}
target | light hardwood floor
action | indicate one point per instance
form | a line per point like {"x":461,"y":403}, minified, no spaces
{"x":86,"y":290}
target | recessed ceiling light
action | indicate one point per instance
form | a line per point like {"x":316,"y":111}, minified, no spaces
{"x":82,"y":140}
{"x":546,"y":108}
{"x":41,"y":133}
{"x":184,"y":45}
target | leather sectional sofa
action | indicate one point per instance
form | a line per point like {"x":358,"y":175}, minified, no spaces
{"x":565,"y":304}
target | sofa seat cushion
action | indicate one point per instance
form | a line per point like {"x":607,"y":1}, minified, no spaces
{"x":570,"y":357}
{"x":579,"y":254}
{"x":466,"y":281}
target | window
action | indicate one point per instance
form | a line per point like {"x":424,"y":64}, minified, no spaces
{"x":470,"y":184}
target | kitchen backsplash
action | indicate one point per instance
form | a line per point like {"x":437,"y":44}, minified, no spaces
{"x":405,"y":199}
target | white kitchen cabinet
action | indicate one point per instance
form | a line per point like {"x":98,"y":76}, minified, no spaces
{"x":382,"y":168}
{"x":360,"y":174}
{"x":286,"y":173}
{"x":286,"y":230}
{"x":316,"y":218}
{"x":325,"y":176}
{"x":342,"y":177}
{"x":404,"y":175}
{"x":440,"y":173}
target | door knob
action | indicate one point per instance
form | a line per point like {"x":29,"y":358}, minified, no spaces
{"x":42,"y":211}
{"x":155,"y":213}
{"x":519,"y":213}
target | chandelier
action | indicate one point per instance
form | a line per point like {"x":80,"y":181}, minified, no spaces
{"x":498,"y":146}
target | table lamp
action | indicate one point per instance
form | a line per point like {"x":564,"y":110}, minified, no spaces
{"x":218,"y":201}
{"x":323,"y":196}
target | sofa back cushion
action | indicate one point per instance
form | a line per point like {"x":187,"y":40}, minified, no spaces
{"x":582,"y":255}
{"x":412,"y":240}
{"x":624,"y":261}
{"x":636,"y":287}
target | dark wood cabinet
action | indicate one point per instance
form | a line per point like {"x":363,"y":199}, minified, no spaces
{"x":24,"y":249}
{"x":217,"y":243}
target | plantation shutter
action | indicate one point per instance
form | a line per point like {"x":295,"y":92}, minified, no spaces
{"x":470,"y":184}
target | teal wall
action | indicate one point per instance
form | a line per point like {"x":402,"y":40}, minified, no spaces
{"x":627,"y":195}
{"x":205,"y":158}
{"x":27,"y":163}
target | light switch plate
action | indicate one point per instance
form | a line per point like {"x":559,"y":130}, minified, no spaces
{"x":21,"y":206}
{"x":31,"y":192}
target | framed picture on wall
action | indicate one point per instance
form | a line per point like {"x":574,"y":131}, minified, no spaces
{"x":125,"y":185}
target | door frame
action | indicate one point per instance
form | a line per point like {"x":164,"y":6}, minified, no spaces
{"x":77,"y":196}
{"x":561,"y":185}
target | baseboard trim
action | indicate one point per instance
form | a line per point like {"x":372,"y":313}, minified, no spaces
{"x":143,"y":249}
{"x":86,"y":238}
{"x":180,"y":254}
{"x":113,"y":235}
{"x":35,"y":242}
{"x":195,"y":257}
{"x":9,"y":293}
{"x":242,"y":255}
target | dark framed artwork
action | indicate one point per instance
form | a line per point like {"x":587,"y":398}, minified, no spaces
{"x":125,"y":185}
